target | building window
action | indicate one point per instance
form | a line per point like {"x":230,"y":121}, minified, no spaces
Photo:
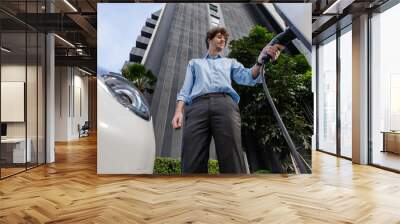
{"x":327,"y":95}
{"x":346,"y":93}
{"x":385,"y":89}
{"x":214,"y":15}
{"x":213,"y":7}
{"x":214,"y":21}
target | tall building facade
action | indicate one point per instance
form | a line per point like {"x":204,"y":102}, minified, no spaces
{"x":177,"y":35}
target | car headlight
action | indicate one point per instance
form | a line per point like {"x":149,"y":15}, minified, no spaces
{"x":127,"y":94}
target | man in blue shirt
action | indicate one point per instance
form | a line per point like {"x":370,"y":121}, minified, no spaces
{"x":211,"y":106}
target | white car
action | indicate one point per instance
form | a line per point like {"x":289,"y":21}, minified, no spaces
{"x":125,"y":134}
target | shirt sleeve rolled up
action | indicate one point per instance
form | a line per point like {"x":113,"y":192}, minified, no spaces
{"x":242,"y":75}
{"x":184,"y":93}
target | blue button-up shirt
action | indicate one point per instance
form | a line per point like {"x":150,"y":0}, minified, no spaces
{"x":214,"y":75}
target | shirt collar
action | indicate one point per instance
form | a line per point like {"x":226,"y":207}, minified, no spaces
{"x":211,"y":57}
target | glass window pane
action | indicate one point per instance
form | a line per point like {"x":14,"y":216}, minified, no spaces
{"x":346,"y":94}
{"x":32,"y":88}
{"x":327,"y":96}
{"x":385,"y":89}
{"x":13,"y":87}
{"x":22,"y":88}
{"x":31,"y":97}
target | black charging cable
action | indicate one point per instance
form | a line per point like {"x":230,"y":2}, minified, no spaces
{"x":300,"y":165}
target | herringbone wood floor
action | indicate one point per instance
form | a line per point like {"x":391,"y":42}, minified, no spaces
{"x":70,"y":191}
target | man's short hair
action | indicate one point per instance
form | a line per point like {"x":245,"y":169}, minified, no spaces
{"x":214,"y":31}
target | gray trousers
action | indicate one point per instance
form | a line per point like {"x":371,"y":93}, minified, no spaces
{"x":215,"y":115}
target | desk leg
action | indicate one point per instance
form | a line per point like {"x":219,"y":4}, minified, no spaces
{"x":384,"y":142}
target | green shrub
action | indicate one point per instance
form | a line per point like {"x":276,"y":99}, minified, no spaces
{"x":168,"y":166}
{"x":262,"y":171}
{"x":213,"y":167}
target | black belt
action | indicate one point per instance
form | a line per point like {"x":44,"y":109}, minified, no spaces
{"x":209,"y":95}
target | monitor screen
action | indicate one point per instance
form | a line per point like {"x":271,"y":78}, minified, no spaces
{"x":3,"y":129}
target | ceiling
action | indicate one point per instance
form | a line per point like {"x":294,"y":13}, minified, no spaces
{"x":76,"y":22}
{"x":331,"y":15}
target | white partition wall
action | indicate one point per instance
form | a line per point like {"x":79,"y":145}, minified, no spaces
{"x":12,"y":98}
{"x":71,"y":102}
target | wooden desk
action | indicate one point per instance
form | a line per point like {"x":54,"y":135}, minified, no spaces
{"x":17,"y":150}
{"x":391,"y":141}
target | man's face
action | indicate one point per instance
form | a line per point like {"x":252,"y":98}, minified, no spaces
{"x":218,"y":42}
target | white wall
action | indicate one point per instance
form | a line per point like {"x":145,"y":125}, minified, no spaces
{"x":34,"y":124}
{"x":17,"y":73}
{"x":71,"y":93}
{"x":79,"y":117}
{"x":62,"y":81}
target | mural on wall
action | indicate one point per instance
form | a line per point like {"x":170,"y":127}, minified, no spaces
{"x":194,"y":59}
